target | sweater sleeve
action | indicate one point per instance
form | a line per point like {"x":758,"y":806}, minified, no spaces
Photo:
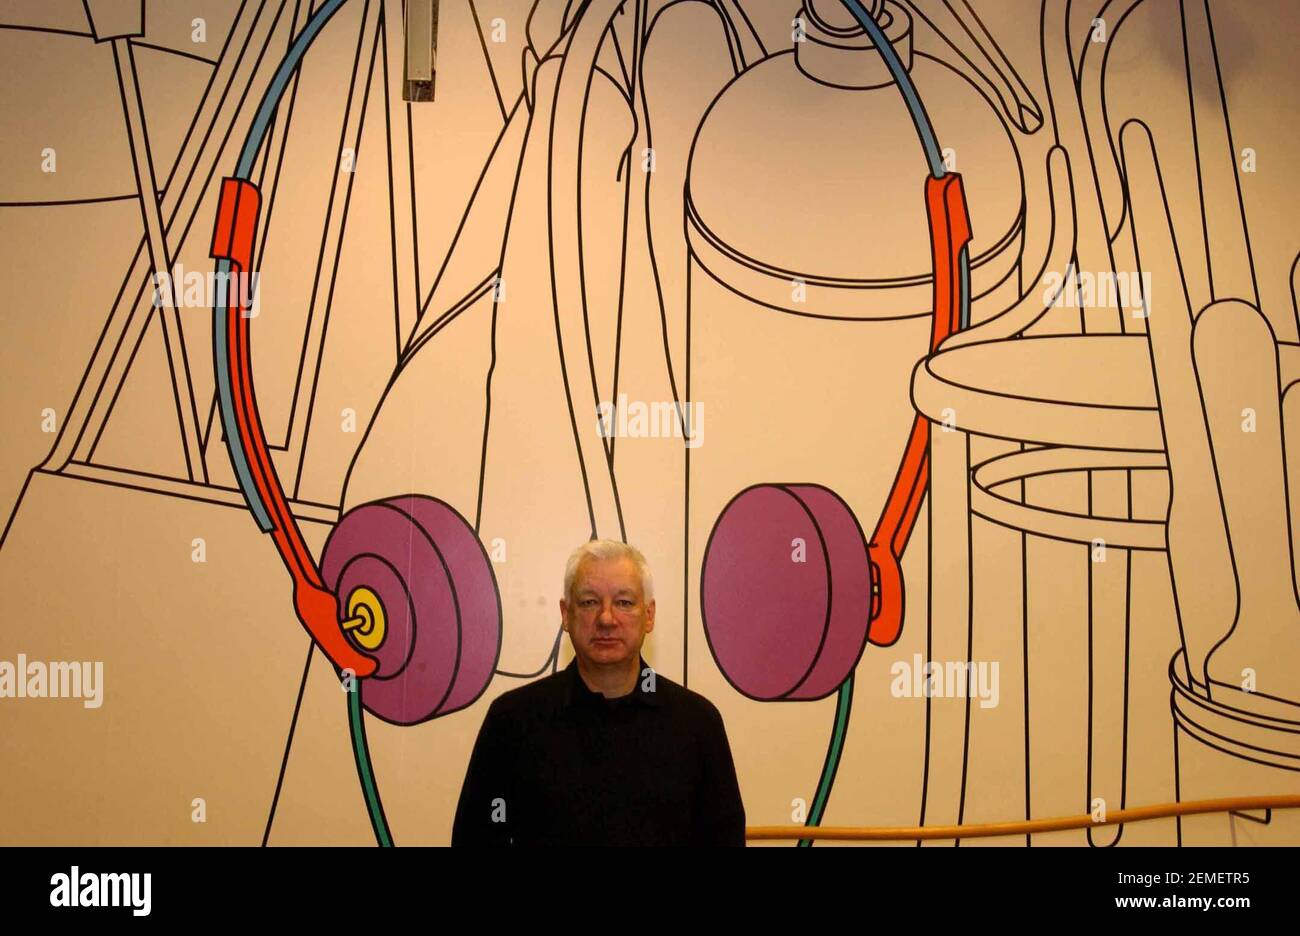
{"x":719,"y":810}
{"x":486,"y":798}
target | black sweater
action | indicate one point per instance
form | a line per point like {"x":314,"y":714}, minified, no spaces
{"x":558,"y":764}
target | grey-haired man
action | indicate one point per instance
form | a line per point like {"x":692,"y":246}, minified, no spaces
{"x":607,"y":751}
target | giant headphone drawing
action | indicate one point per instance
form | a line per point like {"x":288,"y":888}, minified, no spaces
{"x":418,"y":647}
{"x":847,"y":590}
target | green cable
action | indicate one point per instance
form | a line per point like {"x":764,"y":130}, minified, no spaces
{"x":843,"y":705}
{"x":365,"y":772}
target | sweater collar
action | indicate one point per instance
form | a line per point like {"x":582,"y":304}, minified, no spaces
{"x":644,"y":693}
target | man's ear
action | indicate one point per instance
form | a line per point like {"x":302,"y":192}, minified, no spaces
{"x":650,"y":616}
{"x":564,"y":615}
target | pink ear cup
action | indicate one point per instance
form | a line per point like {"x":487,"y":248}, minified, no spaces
{"x":440,"y":598}
{"x":786,"y":592}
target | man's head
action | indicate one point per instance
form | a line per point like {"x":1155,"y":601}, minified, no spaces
{"x":608,"y":605}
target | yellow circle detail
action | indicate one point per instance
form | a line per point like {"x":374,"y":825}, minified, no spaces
{"x":365,"y":604}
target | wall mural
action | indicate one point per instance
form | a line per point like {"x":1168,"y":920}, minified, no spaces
{"x":938,"y":354}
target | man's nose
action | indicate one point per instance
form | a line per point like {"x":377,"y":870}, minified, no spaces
{"x":607,"y":614}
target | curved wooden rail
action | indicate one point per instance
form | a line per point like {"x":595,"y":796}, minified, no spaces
{"x":993,"y":829}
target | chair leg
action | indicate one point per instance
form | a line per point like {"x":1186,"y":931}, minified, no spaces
{"x":949,"y":625}
{"x":1108,"y":662}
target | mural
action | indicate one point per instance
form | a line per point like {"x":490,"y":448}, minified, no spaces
{"x":937,"y":353}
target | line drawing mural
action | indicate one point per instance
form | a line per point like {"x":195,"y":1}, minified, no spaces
{"x":939,"y":354}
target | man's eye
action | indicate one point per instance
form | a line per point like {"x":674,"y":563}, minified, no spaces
{"x":625,"y":603}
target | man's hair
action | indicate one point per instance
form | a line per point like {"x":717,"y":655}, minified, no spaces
{"x":608,"y":549}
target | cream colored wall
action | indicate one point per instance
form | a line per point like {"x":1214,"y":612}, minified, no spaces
{"x":204,"y":663}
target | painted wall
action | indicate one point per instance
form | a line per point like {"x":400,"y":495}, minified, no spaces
{"x":736,"y":222}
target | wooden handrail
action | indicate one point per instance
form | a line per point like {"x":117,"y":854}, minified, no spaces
{"x":993,"y":829}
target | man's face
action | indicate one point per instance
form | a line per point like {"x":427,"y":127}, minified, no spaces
{"x":609,"y":616}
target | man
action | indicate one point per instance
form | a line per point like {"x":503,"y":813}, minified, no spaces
{"x":607,"y":751}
